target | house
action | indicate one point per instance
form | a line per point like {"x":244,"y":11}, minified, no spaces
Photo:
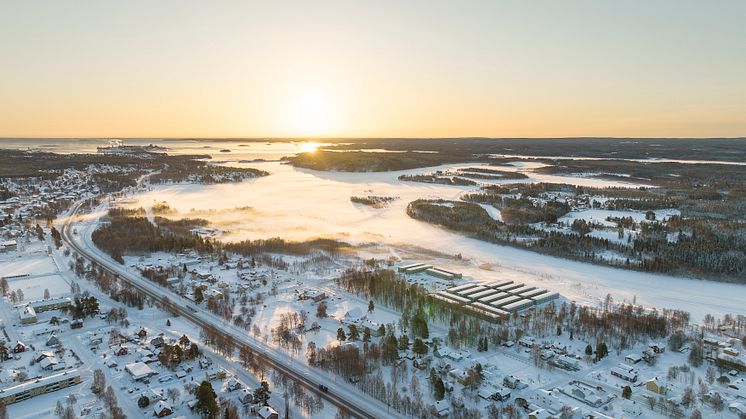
{"x":353,"y":316}
{"x":76,"y":324}
{"x":585,"y":395}
{"x":49,"y":363}
{"x":141,"y":333}
{"x":212,"y":293}
{"x":566,"y":362}
{"x":151,"y":395}
{"x":266,"y":412}
{"x":9,"y":245}
{"x":658,"y":348}
{"x":738,"y":408}
{"x":27,"y":315}
{"x":489,"y":392}
{"x":111,"y":363}
{"x":526,"y":342}
{"x":442,"y":408}
{"x":214,"y":373}
{"x":625,"y":372}
{"x":145,"y":355}
{"x":459,"y":374}
{"x":633,"y":358}
{"x":20,"y":347}
{"x":202,"y":274}
{"x":157,"y":341}
{"x":121,"y":350}
{"x":162,"y":409}
{"x":547,"y":354}
{"x":655,"y":385}
{"x":53,"y":341}
{"x":205,"y":362}
{"x":232,"y":384}
{"x":246,"y":396}
{"x":540,"y":414}
{"x":139,"y":371}
{"x":730,"y":351}
{"x":42,"y":355}
{"x":314,"y":295}
{"x":514,"y":383}
{"x":547,"y":399}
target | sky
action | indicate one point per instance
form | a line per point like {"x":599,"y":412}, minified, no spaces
{"x":183,"y":68}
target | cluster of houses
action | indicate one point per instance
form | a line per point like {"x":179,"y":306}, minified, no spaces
{"x":38,"y":369}
{"x":139,"y":354}
{"x":36,"y":199}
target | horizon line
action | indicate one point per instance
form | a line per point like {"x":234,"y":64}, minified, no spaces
{"x":306,"y":138}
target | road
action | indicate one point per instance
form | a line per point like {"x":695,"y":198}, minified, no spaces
{"x":340,"y":395}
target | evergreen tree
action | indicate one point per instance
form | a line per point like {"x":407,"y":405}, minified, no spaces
{"x":419,"y":347}
{"x":207,"y":404}
{"x":262,"y":393}
{"x":439,"y":389}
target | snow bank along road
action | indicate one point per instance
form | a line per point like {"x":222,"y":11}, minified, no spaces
{"x":340,"y":394}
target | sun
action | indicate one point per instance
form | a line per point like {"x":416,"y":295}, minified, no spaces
{"x":309,"y":147}
{"x":312,"y":113}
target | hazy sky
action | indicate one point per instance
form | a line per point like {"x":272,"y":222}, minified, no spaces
{"x":375,"y":68}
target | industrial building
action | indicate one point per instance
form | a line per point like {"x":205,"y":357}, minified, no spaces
{"x":495,"y":300}
{"x":429,"y":270}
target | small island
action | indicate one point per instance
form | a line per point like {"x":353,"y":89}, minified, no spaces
{"x":373,"y":201}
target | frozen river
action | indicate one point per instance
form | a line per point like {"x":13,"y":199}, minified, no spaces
{"x":301,"y":204}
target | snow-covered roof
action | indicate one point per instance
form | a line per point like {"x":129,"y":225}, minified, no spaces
{"x":354,"y":314}
{"x":161,"y":406}
{"x":266,"y":412}
{"x":139,"y":370}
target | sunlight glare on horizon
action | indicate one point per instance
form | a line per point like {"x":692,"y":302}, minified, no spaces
{"x":309,"y":147}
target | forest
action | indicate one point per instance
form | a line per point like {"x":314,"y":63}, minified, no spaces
{"x":128,"y":231}
{"x":710,"y":248}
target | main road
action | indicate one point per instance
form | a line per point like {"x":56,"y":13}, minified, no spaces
{"x":341,"y":394}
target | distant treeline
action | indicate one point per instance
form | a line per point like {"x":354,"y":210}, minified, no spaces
{"x":442,"y":180}
{"x":725,"y":149}
{"x":202,"y":172}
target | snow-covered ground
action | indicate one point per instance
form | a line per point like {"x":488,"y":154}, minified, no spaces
{"x":300,"y":204}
